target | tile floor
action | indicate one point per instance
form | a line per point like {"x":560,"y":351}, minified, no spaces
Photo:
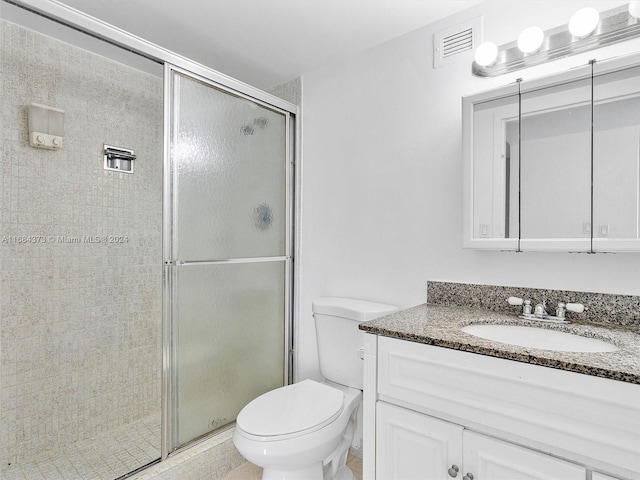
{"x":116,"y":453}
{"x":105,"y":457}
{"x":248,"y":471}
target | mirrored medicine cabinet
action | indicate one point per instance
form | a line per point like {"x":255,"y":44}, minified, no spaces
{"x":553,"y":164}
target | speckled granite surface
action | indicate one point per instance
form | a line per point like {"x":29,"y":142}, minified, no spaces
{"x":440,"y":325}
{"x":601,"y":307}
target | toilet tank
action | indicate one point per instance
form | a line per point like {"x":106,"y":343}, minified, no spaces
{"x":339,"y":339}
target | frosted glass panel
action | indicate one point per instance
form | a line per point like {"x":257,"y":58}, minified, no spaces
{"x":230,"y":341}
{"x":230,"y":172}
{"x":555,"y":152}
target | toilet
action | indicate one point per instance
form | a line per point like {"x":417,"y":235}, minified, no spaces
{"x":303,"y":431}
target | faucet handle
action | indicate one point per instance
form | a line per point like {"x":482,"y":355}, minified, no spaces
{"x":575,"y":307}
{"x":514,"y":301}
{"x":526,"y":309}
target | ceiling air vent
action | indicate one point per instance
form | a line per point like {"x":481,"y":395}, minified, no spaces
{"x":454,"y":43}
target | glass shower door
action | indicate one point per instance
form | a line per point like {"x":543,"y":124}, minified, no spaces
{"x":228,"y":249}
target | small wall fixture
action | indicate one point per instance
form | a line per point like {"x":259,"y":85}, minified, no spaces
{"x":46,"y":126}
{"x":118,"y":159}
{"x":586,"y":31}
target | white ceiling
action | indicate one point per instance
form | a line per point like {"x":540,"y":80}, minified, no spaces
{"x":268,"y":42}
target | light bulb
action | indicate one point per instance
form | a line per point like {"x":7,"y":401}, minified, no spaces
{"x":584,"y":22}
{"x":634,"y":8}
{"x":486,"y":54}
{"x":530,"y":40}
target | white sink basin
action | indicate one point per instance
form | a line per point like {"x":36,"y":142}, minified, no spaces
{"x":539,"y":338}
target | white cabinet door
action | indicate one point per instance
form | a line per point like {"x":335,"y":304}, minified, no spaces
{"x":602,"y":476}
{"x":490,"y":459}
{"x":412,"y":446}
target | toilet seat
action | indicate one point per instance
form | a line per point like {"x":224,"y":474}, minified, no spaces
{"x":292,"y":410}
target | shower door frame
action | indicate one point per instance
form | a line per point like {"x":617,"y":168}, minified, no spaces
{"x":101,"y":30}
{"x":169,"y":352}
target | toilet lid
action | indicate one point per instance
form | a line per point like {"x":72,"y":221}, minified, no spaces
{"x":306,"y":405}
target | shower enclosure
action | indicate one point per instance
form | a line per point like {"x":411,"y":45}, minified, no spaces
{"x":139,"y":312}
{"x":227,"y":252}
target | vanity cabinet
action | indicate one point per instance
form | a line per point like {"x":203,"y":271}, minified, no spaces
{"x":414,"y":446}
{"x":491,"y":459}
{"x":428,"y":408}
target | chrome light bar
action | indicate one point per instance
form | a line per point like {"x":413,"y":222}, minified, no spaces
{"x":616,"y":25}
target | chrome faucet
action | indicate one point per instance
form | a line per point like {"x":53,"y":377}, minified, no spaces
{"x":540,"y":311}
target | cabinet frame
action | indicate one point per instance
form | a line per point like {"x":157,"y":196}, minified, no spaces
{"x":590,"y":244}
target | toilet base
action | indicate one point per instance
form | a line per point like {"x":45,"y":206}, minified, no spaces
{"x":312,"y":472}
{"x":315,"y":472}
{"x":345,"y":473}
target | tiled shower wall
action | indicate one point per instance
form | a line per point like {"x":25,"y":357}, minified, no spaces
{"x":80,"y":249}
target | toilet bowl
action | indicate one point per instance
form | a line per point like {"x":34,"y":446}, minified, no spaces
{"x":304,"y":431}
{"x":307,"y":431}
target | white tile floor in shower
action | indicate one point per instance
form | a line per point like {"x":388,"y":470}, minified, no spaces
{"x":105,"y":457}
{"x":248,"y":471}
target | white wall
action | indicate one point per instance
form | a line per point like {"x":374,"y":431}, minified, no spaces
{"x":382,"y":176}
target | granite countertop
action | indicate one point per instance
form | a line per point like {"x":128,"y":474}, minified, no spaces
{"x":440,"y":325}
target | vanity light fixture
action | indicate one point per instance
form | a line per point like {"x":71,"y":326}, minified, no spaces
{"x":530,"y":40}
{"x":584,"y":22}
{"x":486,"y":54}
{"x":586,"y":30}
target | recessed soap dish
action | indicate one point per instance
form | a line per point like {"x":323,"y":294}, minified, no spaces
{"x":118,"y":159}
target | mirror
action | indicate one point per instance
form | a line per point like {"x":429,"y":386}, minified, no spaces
{"x":491,"y":209}
{"x":531,"y":151}
{"x":495,"y":151}
{"x":616,"y":161}
{"x":555,"y":150}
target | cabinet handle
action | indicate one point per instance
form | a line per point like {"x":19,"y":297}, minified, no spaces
{"x":453,"y":471}
{"x":468,"y":476}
